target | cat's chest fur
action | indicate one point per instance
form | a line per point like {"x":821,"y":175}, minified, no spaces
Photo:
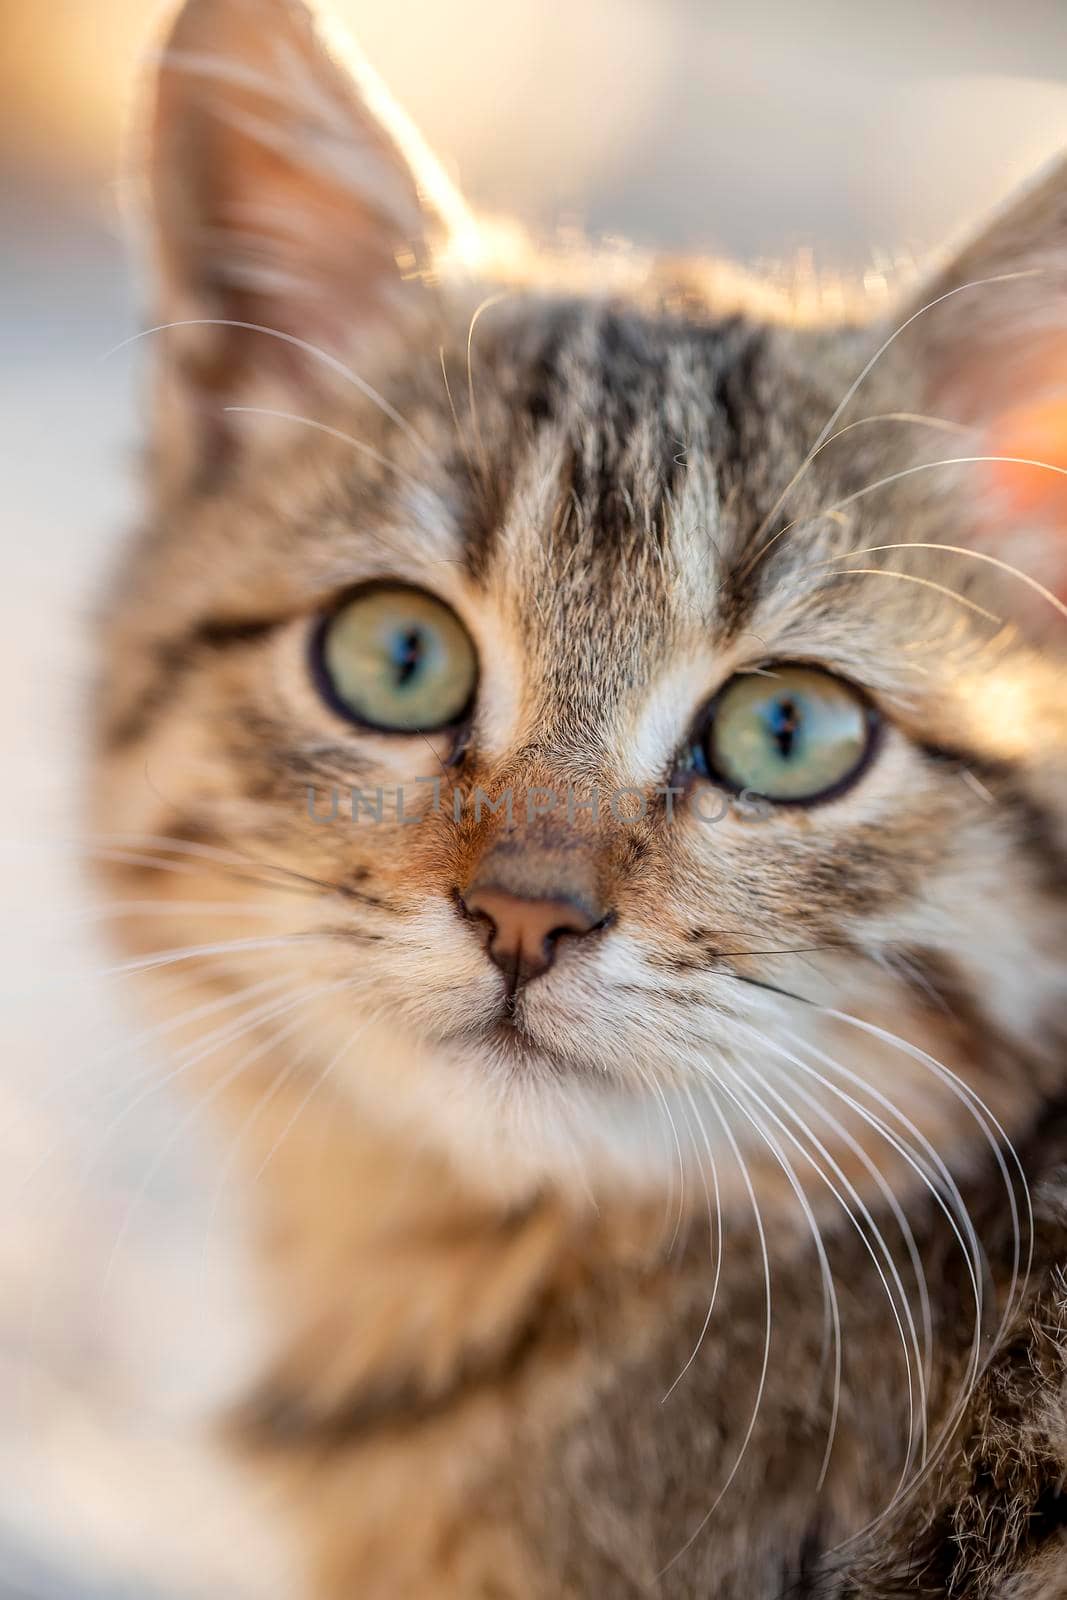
{"x":539,"y":1403}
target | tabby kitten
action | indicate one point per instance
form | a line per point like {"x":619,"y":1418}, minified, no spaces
{"x":592,"y":771}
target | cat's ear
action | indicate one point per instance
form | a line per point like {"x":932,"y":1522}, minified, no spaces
{"x":990,"y":341}
{"x":281,"y":201}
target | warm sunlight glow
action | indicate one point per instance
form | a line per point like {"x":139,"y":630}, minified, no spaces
{"x":1036,"y":431}
{"x":434,"y":184}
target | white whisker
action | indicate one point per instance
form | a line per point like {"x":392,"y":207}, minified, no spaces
{"x":323,"y":356}
{"x":843,"y":404}
{"x":924,"y":583}
{"x":333,"y":433}
{"x":825,"y":1271}
{"x":980,"y":1112}
{"x":197,"y":952}
{"x":220,"y":1085}
{"x":757,"y":1217}
{"x":885,"y":1189}
{"x":837,"y":506}
{"x":720,"y":1231}
{"x":649,"y":1079}
{"x":78,"y":916}
{"x":282,"y":1077}
{"x":487,"y":303}
{"x":460,"y":435}
{"x":970,"y":1246}
{"x":893,"y":1285}
{"x":958,"y":550}
{"x":316,"y":1085}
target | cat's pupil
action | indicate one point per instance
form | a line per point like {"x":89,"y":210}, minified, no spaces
{"x":784,"y":724}
{"x":408,"y":650}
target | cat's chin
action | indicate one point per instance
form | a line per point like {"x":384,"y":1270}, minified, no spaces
{"x":510,"y":1110}
{"x":509,"y":1043}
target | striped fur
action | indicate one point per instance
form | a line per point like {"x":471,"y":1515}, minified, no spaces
{"x":484,"y":1264}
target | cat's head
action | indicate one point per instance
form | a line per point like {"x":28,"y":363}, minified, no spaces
{"x":708,"y":765}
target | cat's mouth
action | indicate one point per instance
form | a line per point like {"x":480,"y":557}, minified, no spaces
{"x":510,"y":1034}
{"x":510,"y":1039}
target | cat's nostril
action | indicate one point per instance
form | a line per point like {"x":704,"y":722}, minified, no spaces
{"x":522,"y":932}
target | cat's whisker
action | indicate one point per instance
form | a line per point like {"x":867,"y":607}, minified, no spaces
{"x":936,"y":1165}
{"x":925,"y":583}
{"x":333,"y":433}
{"x":922,"y":418}
{"x":58,"y":1090}
{"x":489,"y":301}
{"x":935,"y":1177}
{"x":88,"y":845}
{"x":649,"y":1079}
{"x":958,"y":550}
{"x":992,"y":1132}
{"x":213,"y":1093}
{"x":761,"y":1234}
{"x":205,"y":852}
{"x":971,"y":1249}
{"x":745,"y":1093}
{"x":284,"y":1076}
{"x":317,"y":890}
{"x":856,"y":1208}
{"x":184,"y":1060}
{"x":973,"y":1264}
{"x":888,"y":1194}
{"x":916,"y":418}
{"x":689,"y":1136}
{"x":332,"y":362}
{"x":316,"y":1085}
{"x":972,"y":1259}
{"x":82,"y":916}
{"x":791,"y":949}
{"x":188,"y":869}
{"x":890,"y":478}
{"x":196,"y":952}
{"x":224,"y":1033}
{"x":136,"y":1042}
{"x":163,"y":961}
{"x":457,"y":425}
{"x":719,"y":1239}
{"x":839,"y":410}
{"x":995,"y":1137}
{"x":973,"y":1367}
{"x":271,"y":875}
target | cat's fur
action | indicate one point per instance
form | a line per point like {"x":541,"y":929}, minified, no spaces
{"x":485,"y":1266}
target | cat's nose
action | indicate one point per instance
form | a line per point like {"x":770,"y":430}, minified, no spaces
{"x":522,"y":932}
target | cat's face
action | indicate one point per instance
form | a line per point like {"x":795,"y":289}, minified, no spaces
{"x":664,"y":821}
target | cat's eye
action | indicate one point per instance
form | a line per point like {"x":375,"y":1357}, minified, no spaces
{"x":791,"y":733}
{"x":396,"y":659}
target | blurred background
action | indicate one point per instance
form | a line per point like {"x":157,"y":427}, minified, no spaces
{"x":826,"y":136}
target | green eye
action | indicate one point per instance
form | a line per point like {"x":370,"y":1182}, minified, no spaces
{"x":397,"y":659}
{"x":792,"y":734}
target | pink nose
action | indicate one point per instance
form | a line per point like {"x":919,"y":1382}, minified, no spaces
{"x":522,"y":932}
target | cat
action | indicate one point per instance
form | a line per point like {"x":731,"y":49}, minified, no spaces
{"x":584,"y":772}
